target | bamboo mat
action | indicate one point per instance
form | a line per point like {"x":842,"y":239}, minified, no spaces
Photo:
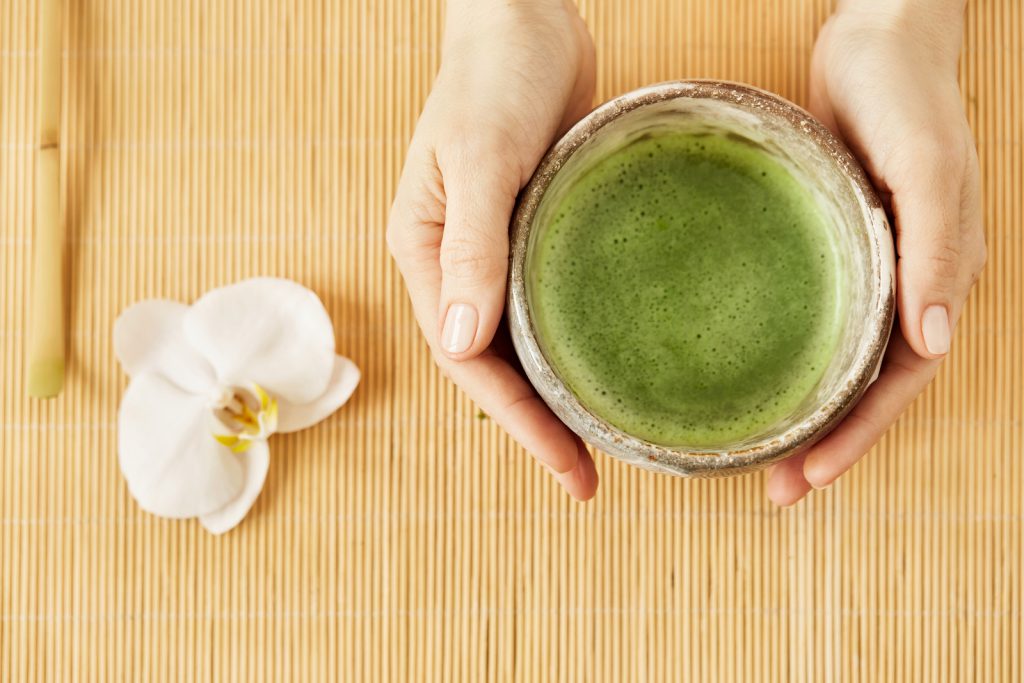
{"x":407,"y":539}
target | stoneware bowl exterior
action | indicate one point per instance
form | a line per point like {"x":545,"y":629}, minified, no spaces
{"x":816,"y":158}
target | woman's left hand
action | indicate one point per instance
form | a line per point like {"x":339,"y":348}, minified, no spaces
{"x":884,"y":77}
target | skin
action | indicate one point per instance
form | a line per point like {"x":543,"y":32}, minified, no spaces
{"x":921,"y":157}
{"x":516,"y":75}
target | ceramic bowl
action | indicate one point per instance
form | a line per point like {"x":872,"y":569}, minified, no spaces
{"x":816,"y":158}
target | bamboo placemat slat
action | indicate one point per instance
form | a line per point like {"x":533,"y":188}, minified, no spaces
{"x":405,"y":538}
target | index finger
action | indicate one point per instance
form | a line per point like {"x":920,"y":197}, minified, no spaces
{"x":904,"y":376}
{"x":505,"y":395}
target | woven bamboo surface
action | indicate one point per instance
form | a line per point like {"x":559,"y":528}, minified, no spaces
{"x":407,"y":539}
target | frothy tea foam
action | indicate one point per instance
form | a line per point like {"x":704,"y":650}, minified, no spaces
{"x":685,"y":289}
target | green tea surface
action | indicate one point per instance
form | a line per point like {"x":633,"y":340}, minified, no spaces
{"x":686,"y":290}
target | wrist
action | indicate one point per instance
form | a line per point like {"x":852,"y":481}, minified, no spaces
{"x":462,"y":15}
{"x":475,"y":22}
{"x":883,"y":9}
{"x":491,"y":5}
{"x":934,"y":25}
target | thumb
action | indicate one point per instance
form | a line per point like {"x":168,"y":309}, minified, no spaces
{"x":480,"y":195}
{"x":926,"y":206}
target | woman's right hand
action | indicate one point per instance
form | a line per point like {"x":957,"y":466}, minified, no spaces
{"x":513,"y":77}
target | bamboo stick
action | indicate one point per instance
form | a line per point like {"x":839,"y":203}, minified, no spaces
{"x":46,"y":350}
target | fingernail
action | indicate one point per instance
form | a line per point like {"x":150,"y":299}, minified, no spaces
{"x":459,"y":328}
{"x":817,"y":483}
{"x":935,"y":328}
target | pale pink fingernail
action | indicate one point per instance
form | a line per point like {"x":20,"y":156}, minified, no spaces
{"x":935,"y":328}
{"x":817,"y":479}
{"x":459,"y":328}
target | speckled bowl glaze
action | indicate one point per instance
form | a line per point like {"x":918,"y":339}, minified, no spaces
{"x":815,"y":157}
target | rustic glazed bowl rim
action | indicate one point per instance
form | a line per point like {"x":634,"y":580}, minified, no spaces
{"x":676,"y":460}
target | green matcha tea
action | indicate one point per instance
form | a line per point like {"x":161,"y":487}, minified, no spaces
{"x":685,"y":288}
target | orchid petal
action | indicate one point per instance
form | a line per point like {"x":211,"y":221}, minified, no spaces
{"x":173,"y":465}
{"x":255,"y":461}
{"x":149,"y":337}
{"x":292,"y":417}
{"x":270,"y":331}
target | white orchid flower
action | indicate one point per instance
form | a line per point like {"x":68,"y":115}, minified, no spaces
{"x":210,"y":383}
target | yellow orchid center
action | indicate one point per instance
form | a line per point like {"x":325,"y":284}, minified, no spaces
{"x":250,"y":414}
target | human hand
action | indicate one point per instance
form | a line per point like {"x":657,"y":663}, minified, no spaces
{"x":513,"y":76}
{"x":884,"y":76}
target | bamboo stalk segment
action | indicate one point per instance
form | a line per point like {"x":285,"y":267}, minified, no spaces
{"x":49,"y":72}
{"x":46,"y":337}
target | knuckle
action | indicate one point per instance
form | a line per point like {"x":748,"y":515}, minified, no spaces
{"x":417,"y":213}
{"x":424,"y":209}
{"x":474,"y":262}
{"x":403,"y":248}
{"x":939,"y":257}
{"x":944,"y":259}
{"x":422,"y":203}
{"x":413,"y":233}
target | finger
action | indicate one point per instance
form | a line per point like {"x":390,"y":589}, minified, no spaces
{"x":581,"y":482}
{"x":926,"y":193}
{"x":904,"y":375}
{"x":504,"y":395}
{"x":480,"y":189}
{"x":786,"y":482}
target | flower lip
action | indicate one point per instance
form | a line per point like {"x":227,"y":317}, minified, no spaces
{"x":249,"y":414}
{"x":221,"y":397}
